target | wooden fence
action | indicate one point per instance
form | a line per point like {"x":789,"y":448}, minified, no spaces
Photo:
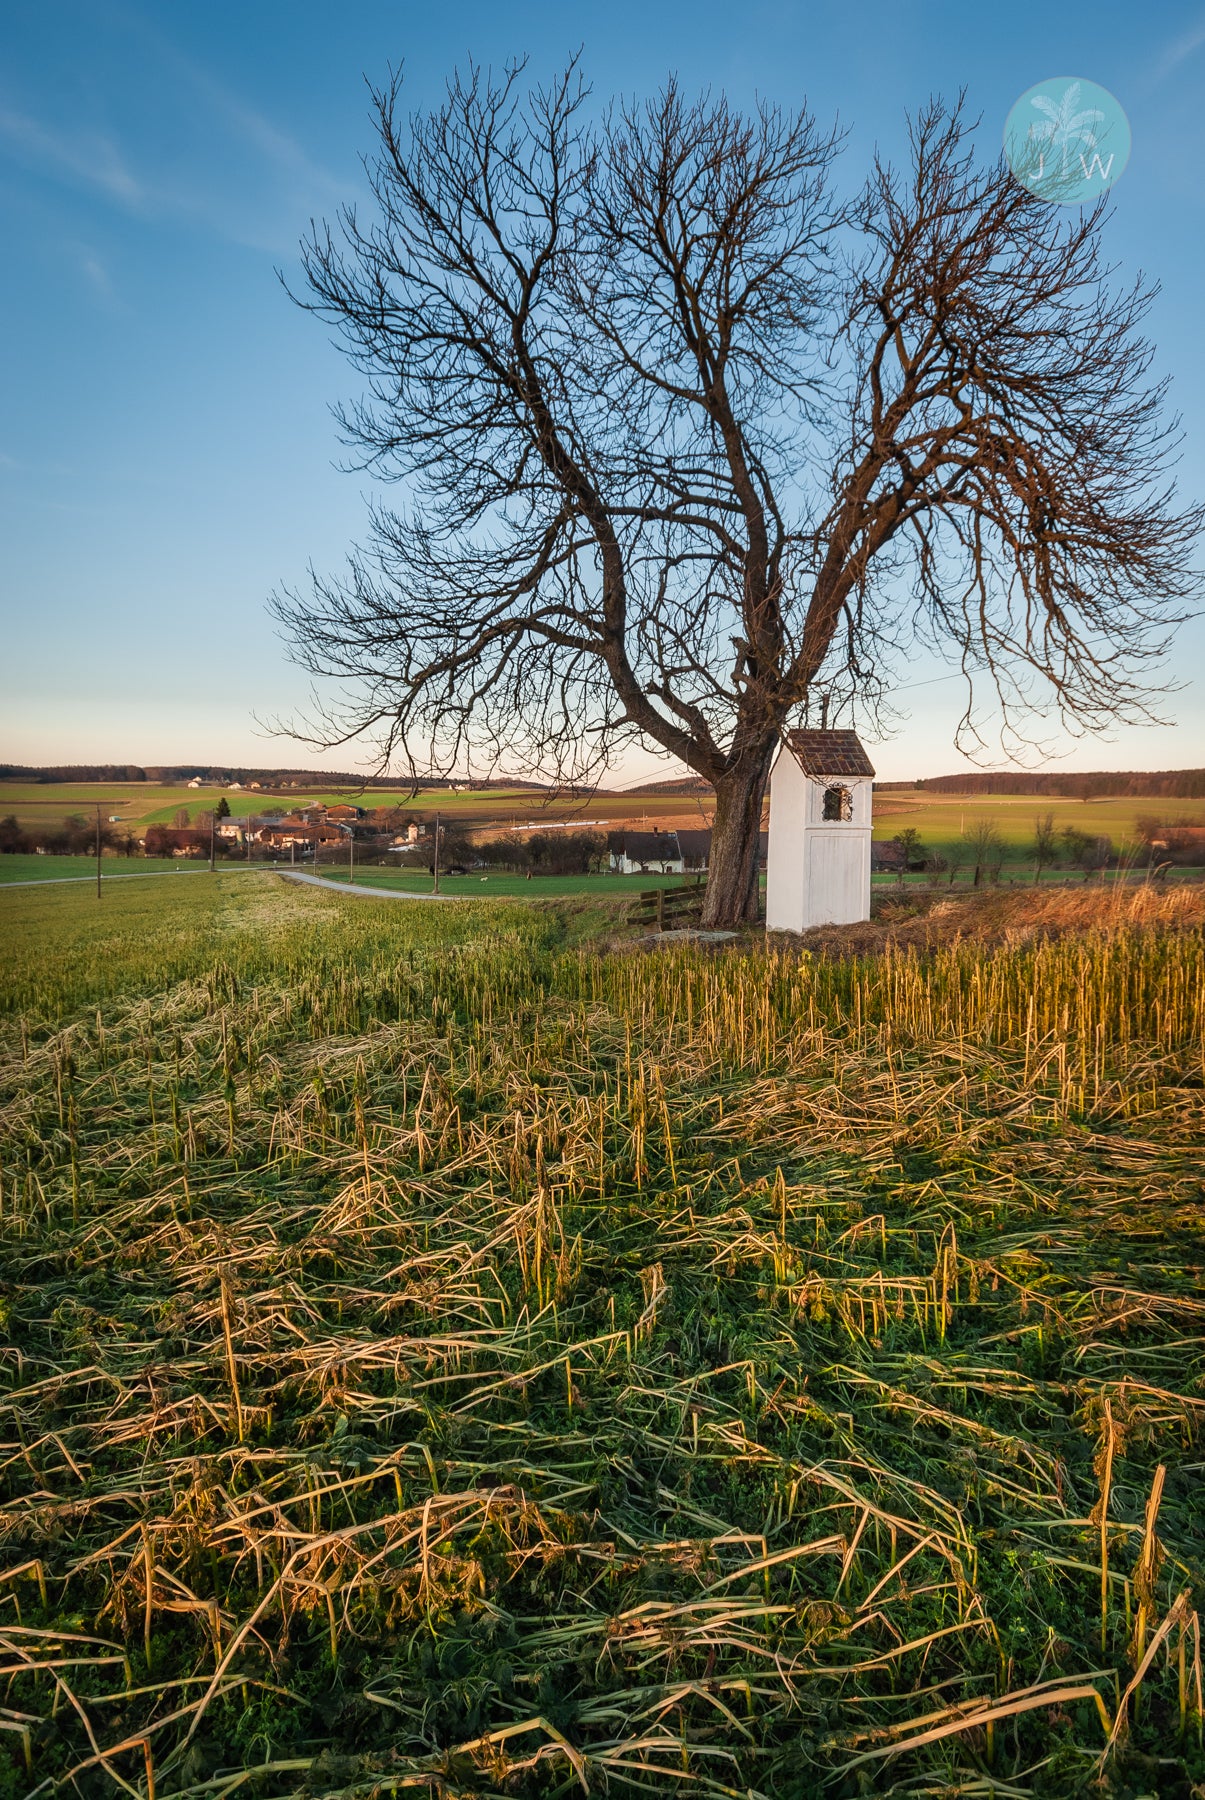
{"x":665,"y":908}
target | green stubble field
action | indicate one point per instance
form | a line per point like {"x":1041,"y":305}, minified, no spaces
{"x":446,"y":1356}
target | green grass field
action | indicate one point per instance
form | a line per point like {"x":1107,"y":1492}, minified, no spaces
{"x":617,"y":887}
{"x":67,"y":868}
{"x":146,"y":803}
{"x":486,"y":886}
{"x":492,"y":885}
{"x":502,"y":804}
{"x":38,"y":804}
{"x":941,"y":821}
{"x":442,"y":1358}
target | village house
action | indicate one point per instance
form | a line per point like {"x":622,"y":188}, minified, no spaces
{"x":683,"y":852}
{"x":888,"y":857}
{"x":250,"y":826}
{"x":280,"y":832}
{"x":644,"y":852}
{"x":695,"y":847}
{"x":294,"y":835}
{"x":1183,"y":843}
{"x":406,"y":840}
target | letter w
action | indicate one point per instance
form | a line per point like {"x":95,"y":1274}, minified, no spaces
{"x":1097,"y":167}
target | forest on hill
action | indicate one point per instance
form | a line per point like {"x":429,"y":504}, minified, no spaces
{"x":165,"y":774}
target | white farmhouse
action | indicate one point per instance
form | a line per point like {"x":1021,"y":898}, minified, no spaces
{"x":818,"y":865}
{"x":645,"y":852}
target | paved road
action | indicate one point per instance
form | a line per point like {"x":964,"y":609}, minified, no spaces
{"x":336,"y":887}
{"x":362,"y":893}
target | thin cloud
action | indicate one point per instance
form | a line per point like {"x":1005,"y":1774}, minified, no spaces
{"x":87,"y":156}
{"x":96,"y":274}
{"x":1179,"y":51}
{"x":274,"y":146}
{"x":279,"y":188}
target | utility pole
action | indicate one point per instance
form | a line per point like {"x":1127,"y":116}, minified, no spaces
{"x":213,"y":831}
{"x":435,"y":865}
{"x":351,"y":854}
{"x":98,"y":853}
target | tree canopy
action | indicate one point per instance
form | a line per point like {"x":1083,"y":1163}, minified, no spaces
{"x":687,"y":440}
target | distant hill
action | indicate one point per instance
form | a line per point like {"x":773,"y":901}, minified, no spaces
{"x":76,"y":772}
{"x":1118,"y":784}
{"x":686,"y":784}
{"x":222,"y":774}
{"x":166,"y":775}
{"x":1161,"y":784}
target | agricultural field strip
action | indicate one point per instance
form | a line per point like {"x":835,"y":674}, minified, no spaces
{"x":140,"y":804}
{"x":939,"y":817}
{"x":577,"y":1179}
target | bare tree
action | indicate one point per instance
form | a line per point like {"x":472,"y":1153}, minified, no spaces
{"x":678,"y":458}
{"x":986,"y":846}
{"x":956,"y":855}
{"x":1045,"y":844}
{"x":13,"y":837}
{"x":1099,"y":855}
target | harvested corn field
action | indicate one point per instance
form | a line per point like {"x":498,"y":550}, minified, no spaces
{"x":441,"y":1360}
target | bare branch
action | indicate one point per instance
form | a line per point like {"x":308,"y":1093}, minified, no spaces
{"x":670,"y":466}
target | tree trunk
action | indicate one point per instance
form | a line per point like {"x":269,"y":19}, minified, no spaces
{"x":732,"y":885}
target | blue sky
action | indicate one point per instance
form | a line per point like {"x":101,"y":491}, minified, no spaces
{"x":166,"y":453}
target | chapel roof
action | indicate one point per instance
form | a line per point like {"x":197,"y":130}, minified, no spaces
{"x":822,"y":753}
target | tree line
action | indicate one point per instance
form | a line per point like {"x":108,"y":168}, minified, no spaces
{"x":222,"y":774}
{"x":74,"y":835}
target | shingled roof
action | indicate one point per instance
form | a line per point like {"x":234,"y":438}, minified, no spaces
{"x":822,"y":753}
{"x":645,"y":846}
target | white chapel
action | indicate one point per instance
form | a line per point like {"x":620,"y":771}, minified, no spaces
{"x":818,"y":864}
